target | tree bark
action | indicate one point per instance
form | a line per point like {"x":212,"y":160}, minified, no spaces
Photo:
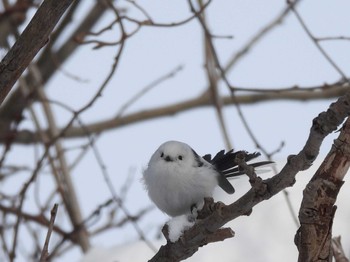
{"x":317,"y":210}
{"x":33,"y":38}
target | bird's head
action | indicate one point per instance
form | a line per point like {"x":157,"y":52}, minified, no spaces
{"x":174,"y":153}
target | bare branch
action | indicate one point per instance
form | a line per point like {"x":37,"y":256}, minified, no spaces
{"x":213,"y":79}
{"x":338,"y":251}
{"x":45,"y":251}
{"x":278,"y":20}
{"x":147,"y":88}
{"x":48,"y":62}
{"x":33,"y":38}
{"x":69,"y":193}
{"x":171,"y":24}
{"x":38,"y":219}
{"x":317,"y":209}
{"x":314,"y":40}
{"x":332,"y":38}
{"x":27,"y":136}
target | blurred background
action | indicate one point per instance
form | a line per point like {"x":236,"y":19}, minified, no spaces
{"x":119,"y":78}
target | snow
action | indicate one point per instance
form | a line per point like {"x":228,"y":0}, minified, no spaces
{"x":177,"y":225}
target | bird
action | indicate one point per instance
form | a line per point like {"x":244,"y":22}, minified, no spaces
{"x":178,"y":179}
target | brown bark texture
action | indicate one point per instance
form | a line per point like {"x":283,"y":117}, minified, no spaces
{"x":33,"y":38}
{"x":317,"y":210}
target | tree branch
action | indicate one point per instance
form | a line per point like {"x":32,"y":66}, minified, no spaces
{"x":338,"y":251}
{"x":28,"y":137}
{"x":317,"y":209}
{"x":39,"y":219}
{"x":69,"y":195}
{"x":33,"y":38}
{"x":323,"y":125}
{"x":45,"y":252}
{"x":48,"y":63}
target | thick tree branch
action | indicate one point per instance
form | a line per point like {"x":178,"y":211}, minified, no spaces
{"x":317,"y":209}
{"x":48,"y":63}
{"x":33,"y":38}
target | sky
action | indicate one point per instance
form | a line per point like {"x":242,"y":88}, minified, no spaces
{"x":286,"y":57}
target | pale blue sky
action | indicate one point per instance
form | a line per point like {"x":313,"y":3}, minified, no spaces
{"x":285,"y":57}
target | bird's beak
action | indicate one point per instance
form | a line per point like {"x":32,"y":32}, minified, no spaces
{"x":168,"y":159}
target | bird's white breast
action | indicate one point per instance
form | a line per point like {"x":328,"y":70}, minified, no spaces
{"x":175,"y":189}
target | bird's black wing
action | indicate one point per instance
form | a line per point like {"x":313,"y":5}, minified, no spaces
{"x":222,"y":180}
{"x":207,"y":157}
{"x":197,"y":159}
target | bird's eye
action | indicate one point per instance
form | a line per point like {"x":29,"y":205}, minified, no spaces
{"x":180,"y":157}
{"x":161,"y":154}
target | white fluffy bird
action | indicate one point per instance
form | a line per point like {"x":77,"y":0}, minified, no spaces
{"x":178,"y":179}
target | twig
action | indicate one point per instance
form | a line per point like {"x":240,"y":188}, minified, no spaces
{"x":5,"y":249}
{"x":148,"y":88}
{"x":125,"y":187}
{"x":213,"y":79}
{"x":110,"y":225}
{"x":171,"y":24}
{"x":259,"y":36}
{"x":45,"y":251}
{"x":38,"y":219}
{"x":69,"y":195}
{"x":332,"y":38}
{"x":116,"y":197}
{"x":317,"y":44}
{"x":84,"y":150}
{"x":291,"y":89}
{"x":141,"y":9}
{"x":338,"y":251}
{"x":99,"y":44}
{"x":97,"y":211}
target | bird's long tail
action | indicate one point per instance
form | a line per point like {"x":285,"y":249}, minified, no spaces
{"x":226,"y":165}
